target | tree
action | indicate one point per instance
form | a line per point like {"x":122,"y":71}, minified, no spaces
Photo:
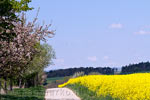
{"x":135,"y":68}
{"x":8,"y":18}
{"x":8,"y":10}
{"x":17,"y":54}
{"x":18,"y":39}
{"x":33,"y":75}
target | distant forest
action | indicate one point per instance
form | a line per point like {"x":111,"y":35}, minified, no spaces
{"x":71,"y":71}
{"x":131,"y":68}
{"x":135,"y":68}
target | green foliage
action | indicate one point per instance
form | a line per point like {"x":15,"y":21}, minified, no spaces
{"x":22,"y":57}
{"x":136,"y":68}
{"x":22,"y":5}
{"x":7,"y":17}
{"x":8,"y":10}
{"x":41,"y":60}
{"x":8,"y":7}
{"x":86,"y":70}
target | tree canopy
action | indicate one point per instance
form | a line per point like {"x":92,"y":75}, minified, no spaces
{"x":21,"y":51}
{"x":135,"y":68}
{"x":8,"y":10}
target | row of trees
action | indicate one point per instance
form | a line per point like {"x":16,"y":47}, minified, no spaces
{"x":86,"y":70}
{"x":128,"y":69}
{"x":22,"y":56}
{"x":135,"y":68}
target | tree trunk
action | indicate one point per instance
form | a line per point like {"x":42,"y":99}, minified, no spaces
{"x":24,"y":85}
{"x":11,"y":85}
{"x":36,"y":80}
{"x":20,"y":83}
{"x":0,"y":86}
{"x":5,"y":86}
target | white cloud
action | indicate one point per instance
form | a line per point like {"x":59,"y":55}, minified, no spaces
{"x":142,"y":32}
{"x":105,"y":57}
{"x":92,"y":58}
{"x":116,"y":26}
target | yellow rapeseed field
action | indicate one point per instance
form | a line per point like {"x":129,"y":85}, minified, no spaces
{"x":123,"y":87}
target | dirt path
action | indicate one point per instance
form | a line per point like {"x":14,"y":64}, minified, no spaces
{"x":60,"y":94}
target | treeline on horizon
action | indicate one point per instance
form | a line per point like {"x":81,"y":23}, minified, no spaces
{"x":86,"y":70}
{"x":136,"y":68}
{"x":128,"y":69}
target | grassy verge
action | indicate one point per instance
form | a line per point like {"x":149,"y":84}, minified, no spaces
{"x":85,"y":94}
{"x":34,"y":93}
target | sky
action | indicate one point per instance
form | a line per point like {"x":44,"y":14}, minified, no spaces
{"x":96,"y":33}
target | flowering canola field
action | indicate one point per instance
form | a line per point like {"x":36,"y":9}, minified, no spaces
{"x":123,"y":87}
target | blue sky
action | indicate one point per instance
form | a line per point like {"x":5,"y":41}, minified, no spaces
{"x":96,"y":32}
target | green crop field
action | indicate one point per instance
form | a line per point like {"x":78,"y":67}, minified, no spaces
{"x":54,"y":79}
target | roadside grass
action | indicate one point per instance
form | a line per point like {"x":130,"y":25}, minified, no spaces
{"x":85,"y":94}
{"x":34,"y":93}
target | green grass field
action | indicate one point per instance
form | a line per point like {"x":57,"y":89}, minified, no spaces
{"x":54,"y":79}
{"x":34,"y":93}
{"x":85,"y":94}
